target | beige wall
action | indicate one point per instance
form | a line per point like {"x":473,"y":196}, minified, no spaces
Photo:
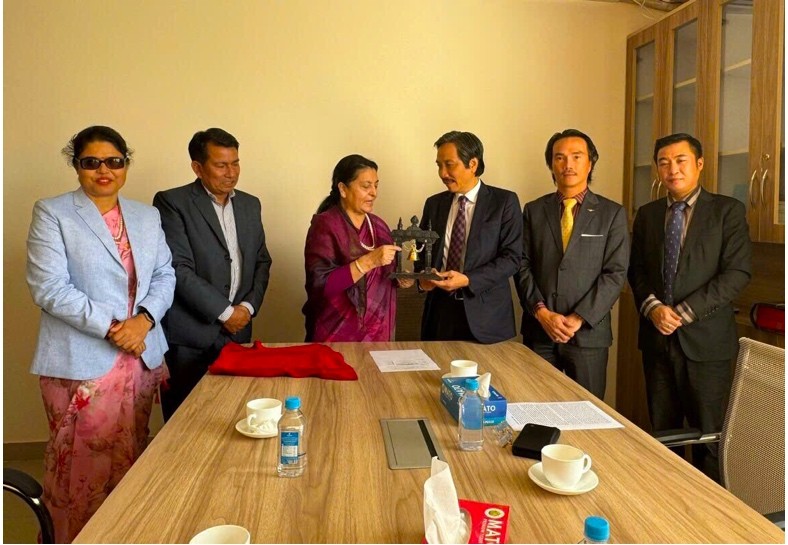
{"x":300,"y":83}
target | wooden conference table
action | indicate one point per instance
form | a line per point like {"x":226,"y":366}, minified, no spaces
{"x":199,"y":471}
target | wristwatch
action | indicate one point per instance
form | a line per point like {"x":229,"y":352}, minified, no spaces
{"x":148,"y":316}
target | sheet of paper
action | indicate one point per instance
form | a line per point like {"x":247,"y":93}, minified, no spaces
{"x":389,"y":361}
{"x":566,"y":415}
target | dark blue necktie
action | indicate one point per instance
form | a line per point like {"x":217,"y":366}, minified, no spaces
{"x":673,"y":231}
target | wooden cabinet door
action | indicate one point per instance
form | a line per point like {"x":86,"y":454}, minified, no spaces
{"x":643,"y":116}
{"x":767,"y":120}
{"x":630,"y":380}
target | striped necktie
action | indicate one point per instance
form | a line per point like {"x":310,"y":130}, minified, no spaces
{"x":454,"y":258}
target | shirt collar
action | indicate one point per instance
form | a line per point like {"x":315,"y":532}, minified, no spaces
{"x":691,"y":199}
{"x":580,"y":197}
{"x":472,"y":194}
{"x":213,"y":197}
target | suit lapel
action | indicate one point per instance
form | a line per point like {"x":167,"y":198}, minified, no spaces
{"x":699,"y":222}
{"x":551,"y":211}
{"x":480,"y":208}
{"x":203,"y":203}
{"x":87,"y":210}
{"x":441,"y":218}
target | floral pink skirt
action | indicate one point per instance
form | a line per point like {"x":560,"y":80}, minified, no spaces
{"x":97,"y":429}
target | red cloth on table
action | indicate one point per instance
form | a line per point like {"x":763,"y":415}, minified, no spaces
{"x":308,"y":360}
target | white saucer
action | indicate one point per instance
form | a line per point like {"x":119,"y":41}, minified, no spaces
{"x":243,"y":429}
{"x":587,"y":482}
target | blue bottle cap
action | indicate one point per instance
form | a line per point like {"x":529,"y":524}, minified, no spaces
{"x":292,"y":402}
{"x":597,"y":528}
{"x":472,"y":384}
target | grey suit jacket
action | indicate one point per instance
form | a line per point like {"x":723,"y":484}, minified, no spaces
{"x":492,"y":256}
{"x":586,"y":279}
{"x":714,"y":267}
{"x":76,"y":276}
{"x":202,"y":263}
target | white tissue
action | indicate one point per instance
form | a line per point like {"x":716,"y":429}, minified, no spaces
{"x":443,"y":522}
{"x":484,"y":384}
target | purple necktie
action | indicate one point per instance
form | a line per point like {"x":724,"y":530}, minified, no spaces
{"x":454,"y":259}
{"x":670,"y":261}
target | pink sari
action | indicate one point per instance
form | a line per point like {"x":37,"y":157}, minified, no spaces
{"x":97,"y":427}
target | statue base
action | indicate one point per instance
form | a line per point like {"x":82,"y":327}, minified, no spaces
{"x":415,"y":276}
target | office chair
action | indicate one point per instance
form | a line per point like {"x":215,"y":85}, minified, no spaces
{"x":752,"y":441}
{"x":26,"y":487}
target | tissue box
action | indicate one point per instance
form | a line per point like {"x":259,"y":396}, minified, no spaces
{"x":494,"y":408}
{"x":488,"y":521}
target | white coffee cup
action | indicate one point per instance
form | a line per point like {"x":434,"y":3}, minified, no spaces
{"x":564,"y":465}
{"x":226,"y":533}
{"x":263,"y":414}
{"x":464,"y":368}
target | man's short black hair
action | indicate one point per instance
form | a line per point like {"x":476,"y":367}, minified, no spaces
{"x":669,"y":140}
{"x":468,"y":146}
{"x":198,"y":146}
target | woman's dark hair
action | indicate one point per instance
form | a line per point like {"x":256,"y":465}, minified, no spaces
{"x":198,"y":145}
{"x":346,"y":171}
{"x":593,"y":154}
{"x":468,"y":146}
{"x":96,"y":133}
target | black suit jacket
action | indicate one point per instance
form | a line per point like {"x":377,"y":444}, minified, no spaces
{"x":714,"y":266}
{"x":586,"y":279}
{"x":492,"y":256}
{"x":202,"y":263}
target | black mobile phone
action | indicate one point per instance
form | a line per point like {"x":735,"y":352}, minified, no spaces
{"x":532,"y":438}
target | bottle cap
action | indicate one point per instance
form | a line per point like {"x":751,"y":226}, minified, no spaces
{"x":292,"y":402}
{"x":472,"y":384}
{"x":597,"y":528}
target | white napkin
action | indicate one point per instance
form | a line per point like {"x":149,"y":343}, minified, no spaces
{"x":442,"y":520}
{"x":484,"y":384}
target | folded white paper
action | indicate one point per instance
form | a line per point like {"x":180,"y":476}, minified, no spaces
{"x":443,"y":522}
{"x":484,"y":384}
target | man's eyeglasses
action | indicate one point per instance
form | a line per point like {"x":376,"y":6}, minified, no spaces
{"x":93,"y":163}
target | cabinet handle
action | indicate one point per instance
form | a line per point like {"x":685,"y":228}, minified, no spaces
{"x":752,"y":181}
{"x":651,"y":193}
{"x":763,"y":179}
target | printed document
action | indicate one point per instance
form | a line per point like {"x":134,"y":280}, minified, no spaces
{"x":389,"y":361}
{"x":565,"y":415}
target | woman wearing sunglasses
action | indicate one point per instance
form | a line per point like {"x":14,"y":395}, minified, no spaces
{"x":99,"y":268}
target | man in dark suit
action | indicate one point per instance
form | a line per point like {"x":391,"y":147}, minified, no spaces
{"x":478,"y":249}
{"x":691,"y":257}
{"x":221,"y":263}
{"x":575,"y":255}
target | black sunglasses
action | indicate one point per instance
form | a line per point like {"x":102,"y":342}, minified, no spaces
{"x":93,"y":163}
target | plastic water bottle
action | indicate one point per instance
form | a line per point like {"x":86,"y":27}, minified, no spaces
{"x":597,"y":530}
{"x":471,"y":421}
{"x":292,"y":439}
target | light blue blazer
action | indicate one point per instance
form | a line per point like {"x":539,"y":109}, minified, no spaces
{"x":76,"y":276}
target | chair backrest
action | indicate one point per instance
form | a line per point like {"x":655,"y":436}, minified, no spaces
{"x":752,"y":447}
{"x":29,"y":490}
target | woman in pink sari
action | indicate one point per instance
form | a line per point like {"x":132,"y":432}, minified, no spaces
{"x":348,"y":256}
{"x":99,"y":268}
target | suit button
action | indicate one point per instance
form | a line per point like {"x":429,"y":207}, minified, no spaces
{"x":226,"y":287}
{"x":227,"y":258}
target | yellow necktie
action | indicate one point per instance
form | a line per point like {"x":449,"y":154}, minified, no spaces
{"x":567,"y":221}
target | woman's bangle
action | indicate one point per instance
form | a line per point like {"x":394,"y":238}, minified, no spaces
{"x":362,"y":271}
